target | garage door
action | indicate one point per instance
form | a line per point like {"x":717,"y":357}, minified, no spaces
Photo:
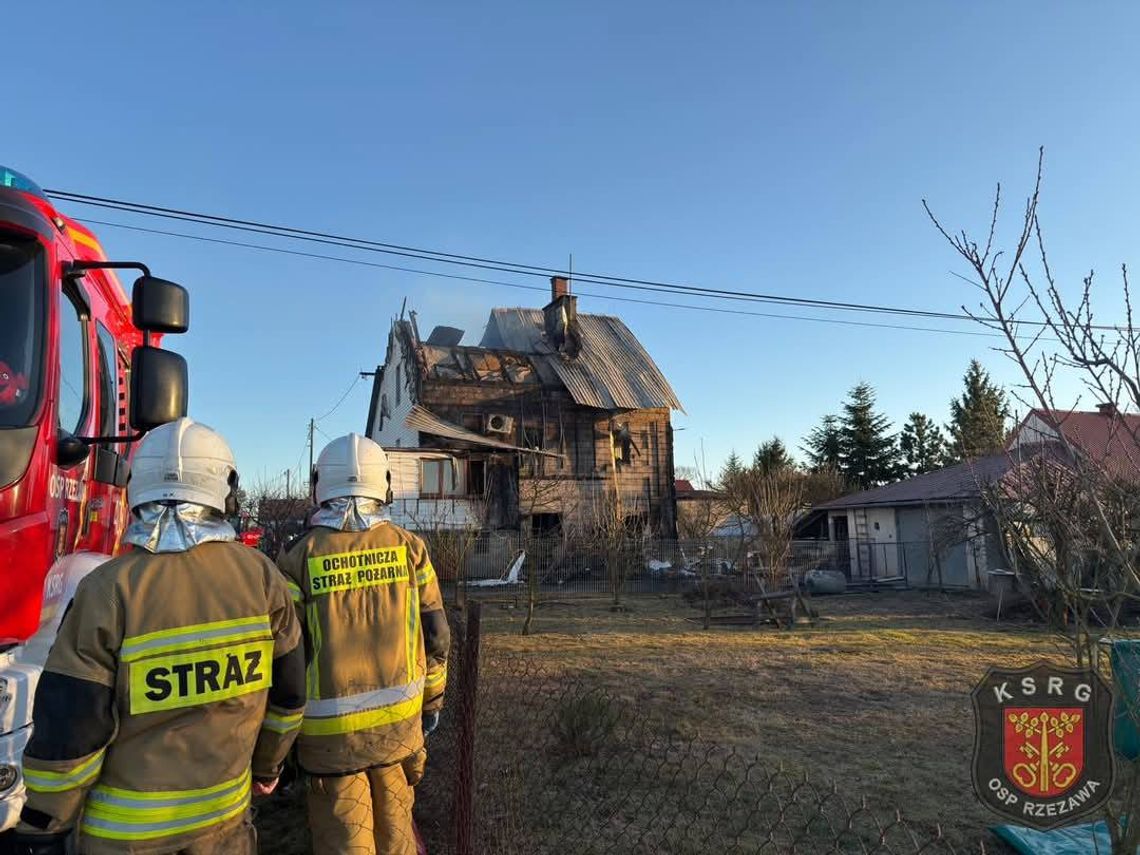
{"x":914,"y":543}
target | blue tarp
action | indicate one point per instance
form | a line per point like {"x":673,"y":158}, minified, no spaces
{"x":1089,"y":839}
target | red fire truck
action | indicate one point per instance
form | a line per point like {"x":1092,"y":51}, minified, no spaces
{"x":81,"y":379}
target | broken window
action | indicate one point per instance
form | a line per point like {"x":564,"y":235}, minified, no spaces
{"x":476,"y":477}
{"x":545,"y":525}
{"x":625,"y":449}
{"x":439,"y":478}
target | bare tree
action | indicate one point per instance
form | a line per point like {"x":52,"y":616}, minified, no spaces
{"x":1068,"y":518}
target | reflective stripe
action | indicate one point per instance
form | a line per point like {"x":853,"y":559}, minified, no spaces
{"x":436,"y":678}
{"x":194,"y":636}
{"x":364,"y":720}
{"x":43,"y":781}
{"x":413,"y":639}
{"x":139,"y":815}
{"x":294,"y":590}
{"x":425,"y":574}
{"x":281,"y":723}
{"x":330,"y":707}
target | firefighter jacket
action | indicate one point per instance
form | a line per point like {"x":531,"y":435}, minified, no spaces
{"x":174,"y":678}
{"x":377,"y":640}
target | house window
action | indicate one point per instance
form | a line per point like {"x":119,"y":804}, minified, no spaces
{"x":440,"y":478}
{"x":476,"y":477}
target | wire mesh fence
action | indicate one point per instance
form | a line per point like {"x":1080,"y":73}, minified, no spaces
{"x":515,"y":563}
{"x":529,"y":761}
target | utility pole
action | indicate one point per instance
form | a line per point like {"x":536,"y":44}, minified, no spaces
{"x":312,"y":427}
{"x":288,"y":484}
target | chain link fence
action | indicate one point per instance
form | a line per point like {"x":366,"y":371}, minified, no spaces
{"x":529,"y":761}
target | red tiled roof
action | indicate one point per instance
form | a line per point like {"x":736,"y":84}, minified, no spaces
{"x":683,"y":485}
{"x":1109,"y":439}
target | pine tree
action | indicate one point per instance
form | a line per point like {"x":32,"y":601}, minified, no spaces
{"x":772,"y":456}
{"x":922,"y":444}
{"x":731,"y":472}
{"x":977,"y":419}
{"x":868,"y":453}
{"x":822,"y":444}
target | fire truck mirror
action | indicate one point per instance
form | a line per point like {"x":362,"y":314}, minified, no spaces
{"x":70,"y":450}
{"x":159,"y":387}
{"x":160,"y":306}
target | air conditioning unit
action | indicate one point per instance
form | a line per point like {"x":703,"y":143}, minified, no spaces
{"x":498,"y":423}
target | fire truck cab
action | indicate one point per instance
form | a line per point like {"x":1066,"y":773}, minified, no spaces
{"x":81,"y":379}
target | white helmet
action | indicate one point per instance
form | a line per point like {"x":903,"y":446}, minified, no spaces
{"x":182,"y":461}
{"x":351,"y":465}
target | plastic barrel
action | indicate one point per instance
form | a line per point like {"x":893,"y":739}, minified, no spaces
{"x":1124,"y":654}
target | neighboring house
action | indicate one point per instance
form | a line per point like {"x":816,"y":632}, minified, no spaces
{"x":554,"y":421}
{"x":1107,"y":437}
{"x":932,"y":529}
{"x":929,"y":530}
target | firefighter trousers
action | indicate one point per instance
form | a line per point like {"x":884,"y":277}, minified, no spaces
{"x":369,"y":813}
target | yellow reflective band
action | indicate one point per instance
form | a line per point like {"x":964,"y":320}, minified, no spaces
{"x":137,"y":815}
{"x":194,"y":636}
{"x":279,"y":723}
{"x":200,"y":677}
{"x":435,"y":679}
{"x":366,"y":568}
{"x":294,"y":590}
{"x":363,"y":720}
{"x":43,"y":781}
{"x":425,"y":575}
{"x":410,"y":629}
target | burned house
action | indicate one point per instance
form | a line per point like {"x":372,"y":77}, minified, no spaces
{"x":556,"y":420}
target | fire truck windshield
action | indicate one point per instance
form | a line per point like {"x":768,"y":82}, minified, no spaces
{"x":22,"y":321}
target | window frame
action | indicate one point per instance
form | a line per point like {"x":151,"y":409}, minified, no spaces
{"x":107,"y":370}
{"x":71,"y":295}
{"x":459,"y":482}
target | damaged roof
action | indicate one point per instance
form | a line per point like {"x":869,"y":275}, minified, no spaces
{"x":482,"y":365}
{"x":612,"y":371}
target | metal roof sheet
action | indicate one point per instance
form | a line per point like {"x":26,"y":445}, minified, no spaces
{"x":423,"y":419}
{"x":953,"y":484}
{"x":612,"y":371}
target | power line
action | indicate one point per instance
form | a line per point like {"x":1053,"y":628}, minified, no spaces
{"x":340,"y":401}
{"x":479,"y":280}
{"x":364,"y":244}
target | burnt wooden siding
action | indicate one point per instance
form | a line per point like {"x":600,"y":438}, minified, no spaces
{"x":576,"y":484}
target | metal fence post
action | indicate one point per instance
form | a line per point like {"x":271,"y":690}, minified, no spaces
{"x":464,"y":813}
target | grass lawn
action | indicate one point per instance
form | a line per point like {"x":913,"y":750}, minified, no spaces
{"x":875,"y":696}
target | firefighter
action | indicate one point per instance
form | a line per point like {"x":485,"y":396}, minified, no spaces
{"x":377,"y":642}
{"x":175,"y":686}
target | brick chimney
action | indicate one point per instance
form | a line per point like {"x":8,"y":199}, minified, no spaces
{"x":1108,"y":409}
{"x":560,"y":318}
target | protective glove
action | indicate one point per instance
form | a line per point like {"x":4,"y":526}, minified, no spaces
{"x":15,"y":842}
{"x":431,"y":722}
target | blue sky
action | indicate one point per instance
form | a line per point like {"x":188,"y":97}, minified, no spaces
{"x":773,"y":147}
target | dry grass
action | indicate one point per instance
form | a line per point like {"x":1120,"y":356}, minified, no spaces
{"x":876,"y":696}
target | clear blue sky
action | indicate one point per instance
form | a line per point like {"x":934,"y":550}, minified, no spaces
{"x":776,"y":147}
